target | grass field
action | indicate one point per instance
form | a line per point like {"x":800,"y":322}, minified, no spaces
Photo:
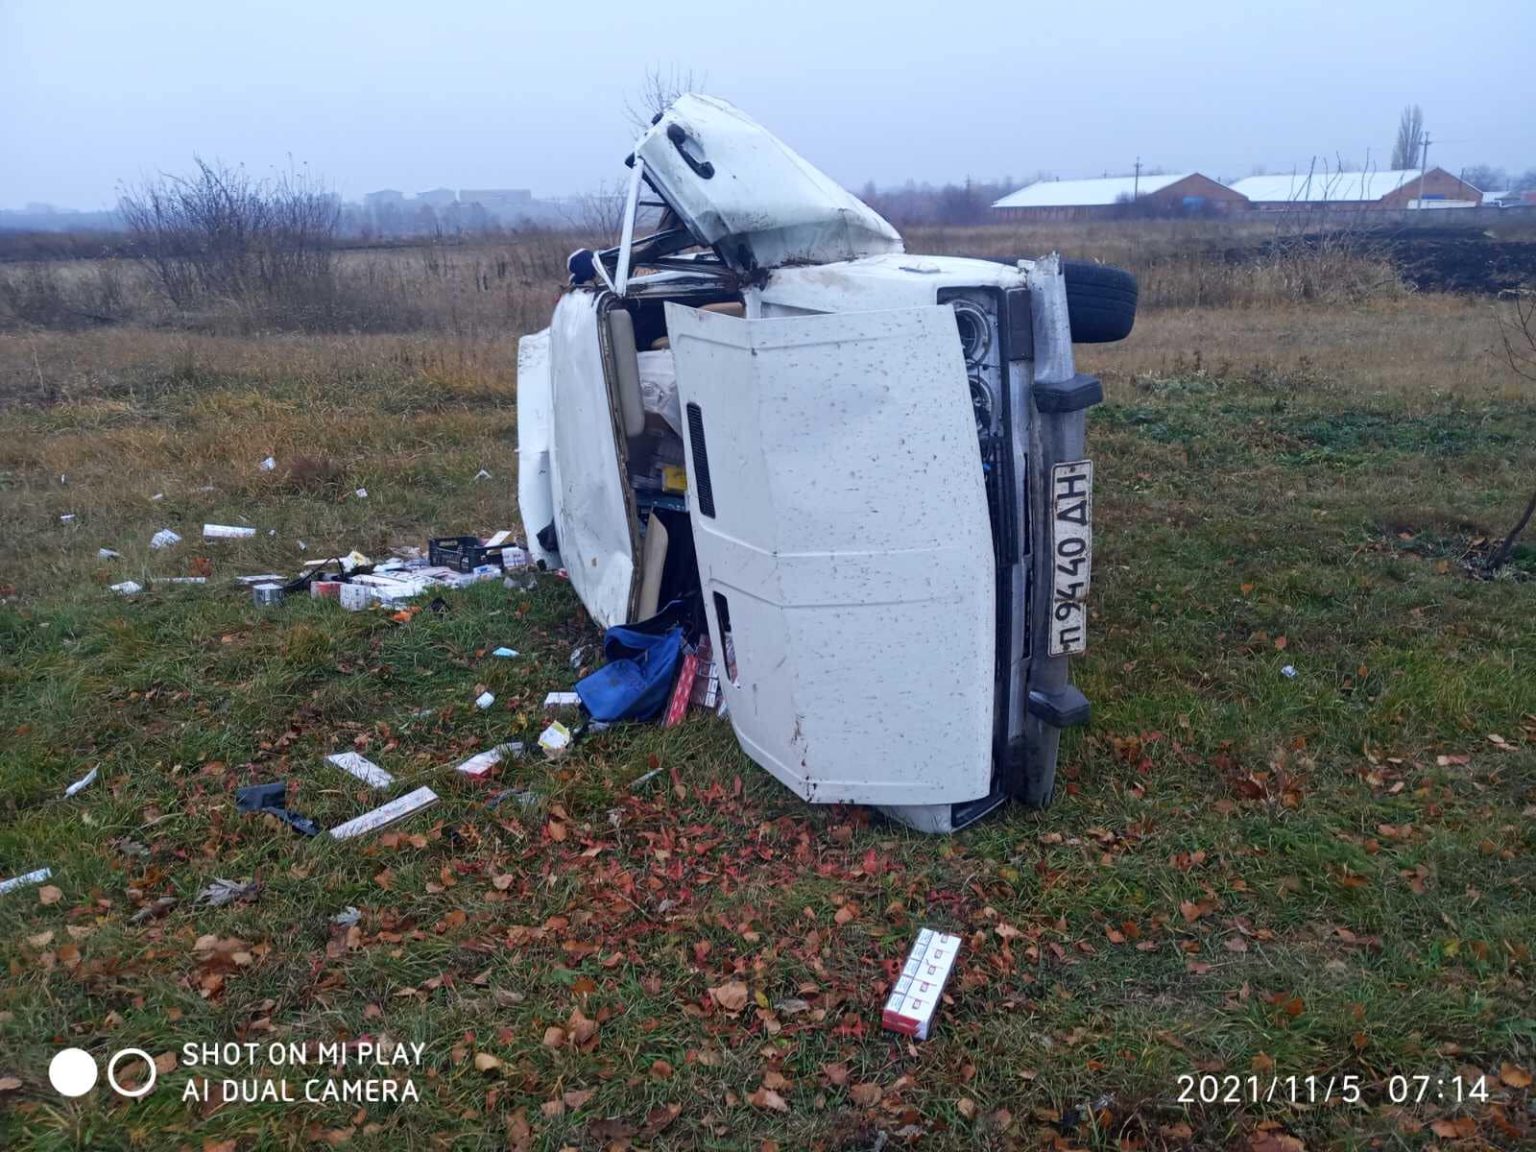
{"x":1245,"y":873}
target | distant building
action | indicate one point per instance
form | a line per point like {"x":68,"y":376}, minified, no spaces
{"x":437,"y":197}
{"x":504,"y":204}
{"x":384,"y":196}
{"x":1182,"y":193}
{"x":1394,"y":188}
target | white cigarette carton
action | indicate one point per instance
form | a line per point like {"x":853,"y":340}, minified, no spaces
{"x":915,"y":996}
{"x":356,"y":597}
{"x":227,"y":532}
{"x":361,"y":767}
{"x":397,"y":809}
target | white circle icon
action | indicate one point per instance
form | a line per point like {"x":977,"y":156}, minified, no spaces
{"x":72,"y":1072}
{"x":141,"y":1090}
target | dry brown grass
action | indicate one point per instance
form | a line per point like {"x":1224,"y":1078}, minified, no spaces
{"x":1416,"y":348}
{"x":492,"y":287}
{"x":1196,"y":263}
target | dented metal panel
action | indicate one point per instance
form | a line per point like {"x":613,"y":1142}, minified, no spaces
{"x":740,"y":189}
{"x":592,"y":512}
{"x":859,"y":599}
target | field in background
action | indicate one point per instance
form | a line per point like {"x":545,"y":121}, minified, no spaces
{"x":1247,"y":873}
{"x":490,"y":286}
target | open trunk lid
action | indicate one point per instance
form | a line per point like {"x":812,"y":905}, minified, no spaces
{"x":739,"y":189}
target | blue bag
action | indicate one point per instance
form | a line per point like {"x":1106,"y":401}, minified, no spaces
{"x":636,"y":681}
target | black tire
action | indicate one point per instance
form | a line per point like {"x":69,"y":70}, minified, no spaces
{"x":1101,"y":302}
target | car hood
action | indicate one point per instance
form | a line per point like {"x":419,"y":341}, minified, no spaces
{"x":739,"y":189}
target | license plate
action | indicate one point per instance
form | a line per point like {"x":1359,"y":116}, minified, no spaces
{"x":1071,"y":555}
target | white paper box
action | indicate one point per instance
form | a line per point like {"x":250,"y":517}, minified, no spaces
{"x":363,"y":768}
{"x":227,"y":532}
{"x":397,"y":809}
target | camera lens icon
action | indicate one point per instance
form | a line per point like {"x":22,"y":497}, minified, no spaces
{"x":73,"y":1072}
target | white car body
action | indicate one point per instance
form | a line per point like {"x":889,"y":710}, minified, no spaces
{"x":870,"y":440}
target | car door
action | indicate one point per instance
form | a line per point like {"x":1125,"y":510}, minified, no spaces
{"x":535,"y":495}
{"x":592,"y":513}
{"x":845,"y":554}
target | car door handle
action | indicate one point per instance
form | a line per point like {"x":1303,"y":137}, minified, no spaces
{"x":703,"y":169}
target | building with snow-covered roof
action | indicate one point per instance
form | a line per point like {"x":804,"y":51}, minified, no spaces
{"x":1179,"y":193}
{"x":1391,"y":188}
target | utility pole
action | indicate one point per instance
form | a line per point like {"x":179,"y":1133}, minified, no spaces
{"x":1136,"y":183}
{"x":1423,"y":164}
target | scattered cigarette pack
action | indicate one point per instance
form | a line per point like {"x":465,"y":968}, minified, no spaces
{"x":555,"y":739}
{"x":915,"y":996}
{"x":38,"y":877}
{"x":355,"y":597}
{"x":397,"y":809}
{"x":563,"y":700}
{"x":677,"y":703}
{"x":481,"y":763}
{"x":363,"y":768}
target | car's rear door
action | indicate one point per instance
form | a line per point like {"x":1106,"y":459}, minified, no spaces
{"x":593,"y":517}
{"x":838,"y":509}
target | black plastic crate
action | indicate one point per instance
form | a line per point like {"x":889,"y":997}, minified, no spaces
{"x":464,"y":553}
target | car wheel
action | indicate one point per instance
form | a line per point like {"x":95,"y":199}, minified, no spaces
{"x":1101,"y":302}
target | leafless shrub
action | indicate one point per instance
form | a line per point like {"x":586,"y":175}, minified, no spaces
{"x":221,"y":235}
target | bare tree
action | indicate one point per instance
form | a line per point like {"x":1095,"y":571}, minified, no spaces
{"x":1519,"y":332}
{"x":1486,"y":177}
{"x":1410,"y":135}
{"x":657,"y":92}
{"x":598,"y":216}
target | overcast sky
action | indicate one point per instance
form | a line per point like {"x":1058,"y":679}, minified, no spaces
{"x":502,"y":93}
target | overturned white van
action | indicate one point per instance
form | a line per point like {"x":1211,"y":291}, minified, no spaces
{"x":867,"y":465}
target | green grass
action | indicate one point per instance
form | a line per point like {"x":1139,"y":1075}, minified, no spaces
{"x":1329,"y":874}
